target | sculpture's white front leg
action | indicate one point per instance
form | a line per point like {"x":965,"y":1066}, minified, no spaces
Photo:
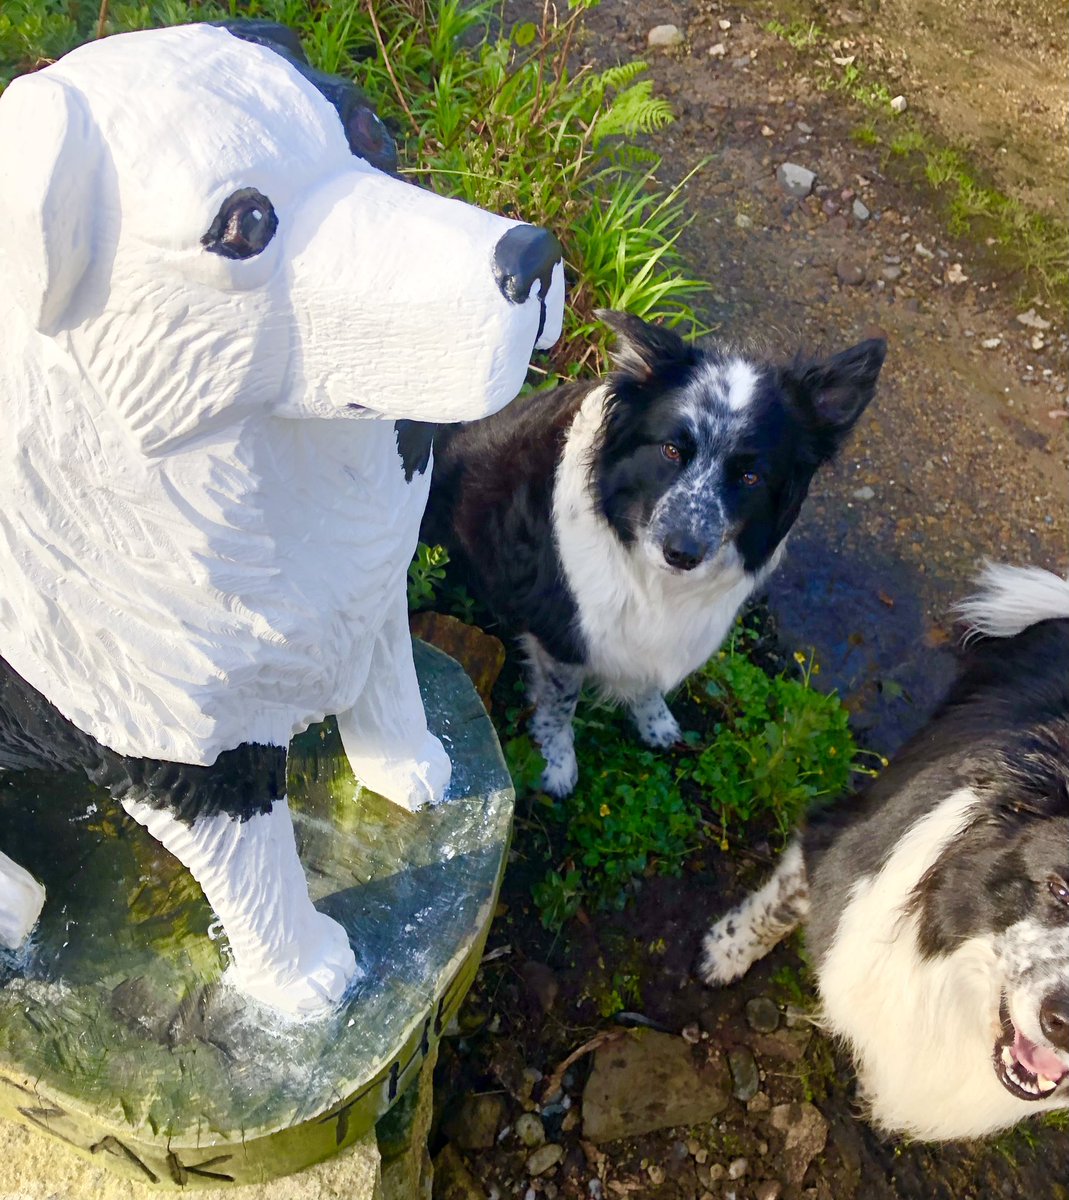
{"x":385,"y":733}
{"x":286,"y":953}
{"x":21,"y":899}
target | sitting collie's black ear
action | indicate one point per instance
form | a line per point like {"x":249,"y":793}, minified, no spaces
{"x":643,"y":349}
{"x":831,"y":395}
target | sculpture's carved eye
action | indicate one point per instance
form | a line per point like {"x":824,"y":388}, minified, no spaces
{"x":244,"y":225}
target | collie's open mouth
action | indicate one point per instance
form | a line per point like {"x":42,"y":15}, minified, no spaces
{"x":1028,"y":1071}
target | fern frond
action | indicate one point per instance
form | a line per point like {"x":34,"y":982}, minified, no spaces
{"x":617,"y":77}
{"x":633,"y":111}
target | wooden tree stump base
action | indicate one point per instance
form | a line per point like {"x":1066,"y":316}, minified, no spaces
{"x":118,"y":1033}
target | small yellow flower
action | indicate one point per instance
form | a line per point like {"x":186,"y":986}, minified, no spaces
{"x":816,"y":668}
{"x":884,"y":762}
{"x":799,"y":657}
{"x":832,"y":751}
{"x":605,"y":810}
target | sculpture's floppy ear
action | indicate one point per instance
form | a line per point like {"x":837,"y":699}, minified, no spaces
{"x":47,"y":155}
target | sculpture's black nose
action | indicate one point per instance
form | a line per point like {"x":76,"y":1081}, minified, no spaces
{"x":1054,"y":1018}
{"x":682,"y":551}
{"x":524,"y":254}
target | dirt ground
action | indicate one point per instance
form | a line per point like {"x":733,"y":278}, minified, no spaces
{"x":962,"y":456}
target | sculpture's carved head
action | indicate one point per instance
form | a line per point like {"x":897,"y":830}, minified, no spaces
{"x":209,"y":198}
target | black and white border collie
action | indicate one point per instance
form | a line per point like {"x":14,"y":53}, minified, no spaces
{"x":617,"y":526}
{"x":936,"y":905}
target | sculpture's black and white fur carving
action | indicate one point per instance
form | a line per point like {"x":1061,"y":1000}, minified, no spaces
{"x":221,"y":332}
{"x":936,"y":904}
{"x":617,"y":527}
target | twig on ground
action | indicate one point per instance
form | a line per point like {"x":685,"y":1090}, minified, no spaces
{"x":554,"y":1079}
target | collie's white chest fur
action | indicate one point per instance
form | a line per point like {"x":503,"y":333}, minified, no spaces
{"x":645,"y":626}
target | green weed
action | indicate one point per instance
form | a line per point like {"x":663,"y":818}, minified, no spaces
{"x":627,"y":818}
{"x":775,"y":744}
{"x":799,"y":34}
{"x":426,"y":574}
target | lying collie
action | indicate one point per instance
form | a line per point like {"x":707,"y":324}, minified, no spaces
{"x":936,"y":905}
{"x":617,"y":526}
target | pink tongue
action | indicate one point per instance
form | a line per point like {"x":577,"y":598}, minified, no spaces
{"x":1038,"y":1059}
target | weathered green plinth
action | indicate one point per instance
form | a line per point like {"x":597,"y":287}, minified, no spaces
{"x":116,"y":1032}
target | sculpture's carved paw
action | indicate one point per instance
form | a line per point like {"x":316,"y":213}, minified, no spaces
{"x":310,"y":978}
{"x":21,"y":900}
{"x":411,"y":783}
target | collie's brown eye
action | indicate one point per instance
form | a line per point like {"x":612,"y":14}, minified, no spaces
{"x":1059,"y":889}
{"x":751,"y":478}
{"x":671,"y":452}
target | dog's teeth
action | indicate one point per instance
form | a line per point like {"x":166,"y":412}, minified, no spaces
{"x":1044,"y":1084}
{"x":1007,"y":1056}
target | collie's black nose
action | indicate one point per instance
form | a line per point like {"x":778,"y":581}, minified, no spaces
{"x":524,"y":254}
{"x":1054,"y":1018}
{"x":682,"y":551}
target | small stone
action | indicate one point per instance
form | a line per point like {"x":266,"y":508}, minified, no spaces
{"x":830,"y":206}
{"x":691,"y":1034}
{"x":759,"y":1104}
{"x":771,"y":1189}
{"x":802,"y":127}
{"x":1037,"y":341}
{"x":922,"y":251}
{"x":744,"y":1074}
{"x":762,"y":1015}
{"x":899,"y":104}
{"x":724,"y":24}
{"x":452,"y":1178}
{"x":861,"y":213}
{"x":742,"y":61}
{"x":767,"y":131}
{"x":991,"y":343}
{"x":864,"y":493}
{"x":743,"y":221}
{"x":664,"y":37}
{"x":891,"y":273}
{"x":796,"y":181}
{"x":693,"y":1146}
{"x":530,"y":1130}
{"x":737,"y":1168}
{"x":1033,"y":320}
{"x":701,"y":1156}
{"x":545,"y":1158}
{"x":655,"y":1173}
{"x":955,"y":274}
{"x":718,"y":51}
{"x":806,"y":1133}
{"x":541,"y":983}
{"x":850,"y":271}
{"x":475,"y":1123}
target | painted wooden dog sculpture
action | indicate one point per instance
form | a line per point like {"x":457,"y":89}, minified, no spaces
{"x":220,"y":330}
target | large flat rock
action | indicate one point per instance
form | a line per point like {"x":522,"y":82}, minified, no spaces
{"x":647,"y":1081}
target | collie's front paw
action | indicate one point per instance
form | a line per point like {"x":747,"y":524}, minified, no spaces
{"x":561,"y":773}
{"x":411,"y":782}
{"x":726,"y":956}
{"x":654,"y":722}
